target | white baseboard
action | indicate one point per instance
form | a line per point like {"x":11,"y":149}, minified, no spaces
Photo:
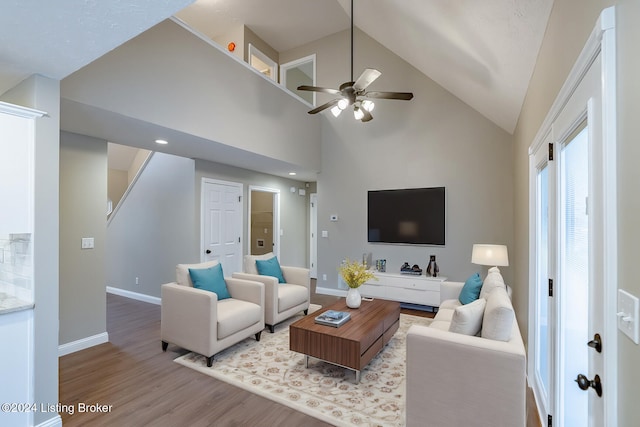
{"x":134,"y":295}
{"x":331,"y":291}
{"x":82,"y":344}
{"x":52,"y":422}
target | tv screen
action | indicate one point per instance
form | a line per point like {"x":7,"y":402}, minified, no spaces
{"x":414,"y":216}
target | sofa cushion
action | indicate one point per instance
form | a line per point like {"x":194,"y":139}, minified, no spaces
{"x":270,"y":267}
{"x":235,"y":315}
{"x":492,"y":281}
{"x":210,"y":279}
{"x":467,"y":319}
{"x":291,"y":295}
{"x":449,"y":304}
{"x":182,"y":272}
{"x":471,"y":289}
{"x":249,"y":262}
{"x":445,"y":314}
{"x":440,"y":324}
{"x":497,"y":322}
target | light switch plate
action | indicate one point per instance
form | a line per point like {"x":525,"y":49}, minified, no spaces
{"x":87,"y":243}
{"x":628,"y":310}
{"x":325,"y":233}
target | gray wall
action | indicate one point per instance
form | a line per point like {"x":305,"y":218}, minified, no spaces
{"x":44,"y":94}
{"x":83,"y":195}
{"x":433,"y":140}
{"x":294,"y":211}
{"x":154,"y":228}
{"x":213,"y":98}
{"x":566,"y":34}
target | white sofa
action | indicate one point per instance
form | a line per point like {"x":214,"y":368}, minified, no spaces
{"x":466,"y":380}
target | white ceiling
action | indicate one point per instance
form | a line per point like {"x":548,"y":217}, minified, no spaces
{"x":483,"y":52}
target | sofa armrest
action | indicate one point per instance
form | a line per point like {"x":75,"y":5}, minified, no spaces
{"x":188,"y":317}
{"x":455,"y":379}
{"x":450,"y":290}
{"x":296,"y":275}
{"x":246,"y":290}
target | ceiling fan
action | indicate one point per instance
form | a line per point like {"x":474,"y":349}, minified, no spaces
{"x":354,"y":92}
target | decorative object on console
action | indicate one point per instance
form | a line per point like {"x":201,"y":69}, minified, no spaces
{"x":491,"y":255}
{"x":432,"y":269}
{"x":381,"y":265}
{"x":354,"y":275}
{"x":415,"y":270}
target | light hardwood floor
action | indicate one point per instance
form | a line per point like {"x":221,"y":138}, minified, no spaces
{"x":146,"y":388}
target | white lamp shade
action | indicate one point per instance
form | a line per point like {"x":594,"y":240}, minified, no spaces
{"x":494,"y":255}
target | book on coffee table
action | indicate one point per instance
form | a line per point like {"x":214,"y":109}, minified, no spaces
{"x":333,"y":318}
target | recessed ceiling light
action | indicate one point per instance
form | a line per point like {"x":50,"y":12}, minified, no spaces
{"x":292,"y":173}
{"x":161,"y":141}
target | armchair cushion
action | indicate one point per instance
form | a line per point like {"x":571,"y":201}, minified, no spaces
{"x":182,"y":272}
{"x":291,"y":295}
{"x":234,"y":315}
{"x":270,"y":267}
{"x":210,"y":279}
{"x":250,"y":262}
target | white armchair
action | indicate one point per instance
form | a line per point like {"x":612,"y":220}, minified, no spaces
{"x":282,"y":300}
{"x":196,"y":320}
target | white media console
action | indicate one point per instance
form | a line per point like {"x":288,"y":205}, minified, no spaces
{"x":423,"y":290}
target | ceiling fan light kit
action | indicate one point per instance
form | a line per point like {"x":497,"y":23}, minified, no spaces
{"x":354,"y":92}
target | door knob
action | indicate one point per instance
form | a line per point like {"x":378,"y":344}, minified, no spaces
{"x":208,"y":251}
{"x":584,"y":383}
{"x":596,"y":343}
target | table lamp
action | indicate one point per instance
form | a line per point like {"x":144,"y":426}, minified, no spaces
{"x":491,"y":255}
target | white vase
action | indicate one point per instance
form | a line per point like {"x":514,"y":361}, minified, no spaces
{"x":353,"y":298}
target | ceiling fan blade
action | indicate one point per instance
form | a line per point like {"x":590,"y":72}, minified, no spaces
{"x":367,"y":77}
{"x":325,"y":106}
{"x":403,"y":96}
{"x":319,"y":89}
{"x":367,"y":116}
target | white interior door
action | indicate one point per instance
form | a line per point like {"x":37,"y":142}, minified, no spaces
{"x":222,"y":224}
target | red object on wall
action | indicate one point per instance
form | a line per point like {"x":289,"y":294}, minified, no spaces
{"x":231,"y":46}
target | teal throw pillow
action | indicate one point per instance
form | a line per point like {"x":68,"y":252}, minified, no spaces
{"x":270,"y":267}
{"x":210,"y":279}
{"x":471,"y":289}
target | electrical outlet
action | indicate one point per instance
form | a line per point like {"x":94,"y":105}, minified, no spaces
{"x":87,"y":243}
{"x":137,"y":281}
{"x":324,"y":277}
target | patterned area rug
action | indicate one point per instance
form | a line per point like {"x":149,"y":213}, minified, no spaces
{"x":324,"y":391}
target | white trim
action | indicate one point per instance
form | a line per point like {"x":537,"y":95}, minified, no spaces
{"x":293,"y":64}
{"x":55,"y":421}
{"x":601,"y":41}
{"x":82,"y":344}
{"x":313,"y":235}
{"x":20,"y":111}
{"x":276,"y":217}
{"x":130,"y":187}
{"x":261,"y":56}
{"x":331,"y":291}
{"x":134,"y":295}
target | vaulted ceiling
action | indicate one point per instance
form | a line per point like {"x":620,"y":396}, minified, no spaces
{"x":483,"y":52}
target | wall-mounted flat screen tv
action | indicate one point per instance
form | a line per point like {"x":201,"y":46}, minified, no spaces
{"x":411,"y":216}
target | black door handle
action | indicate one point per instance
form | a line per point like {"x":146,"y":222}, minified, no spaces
{"x":584,"y":383}
{"x":596,"y":343}
{"x":208,"y":251}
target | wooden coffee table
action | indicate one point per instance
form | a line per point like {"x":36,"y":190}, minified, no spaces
{"x":353,"y":344}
